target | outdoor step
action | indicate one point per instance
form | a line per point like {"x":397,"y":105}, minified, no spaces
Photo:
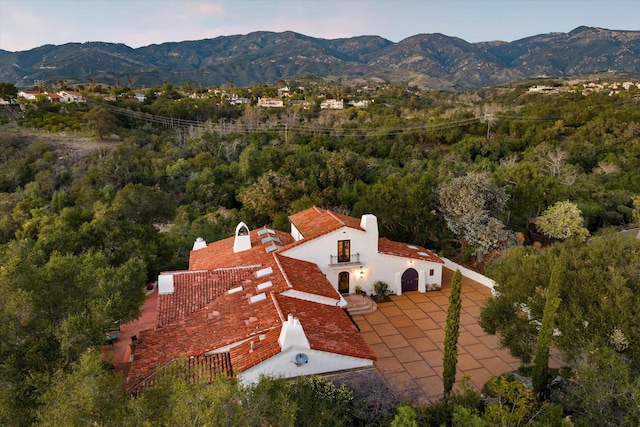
{"x":359,"y":305}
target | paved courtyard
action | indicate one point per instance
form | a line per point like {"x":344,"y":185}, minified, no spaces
{"x":407,"y":335}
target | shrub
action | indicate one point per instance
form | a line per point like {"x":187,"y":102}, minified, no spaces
{"x":381,"y":289}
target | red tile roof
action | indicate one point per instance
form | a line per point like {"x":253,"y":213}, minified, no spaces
{"x":389,"y":247}
{"x":327,"y":327}
{"x":307,"y":277}
{"x":195,"y":289}
{"x":315,"y":221}
{"x":220,"y":254}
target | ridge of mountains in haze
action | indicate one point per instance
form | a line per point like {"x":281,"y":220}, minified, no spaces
{"x":434,"y":61}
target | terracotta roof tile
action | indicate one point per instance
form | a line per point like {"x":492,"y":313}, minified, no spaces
{"x":220,"y":254}
{"x":327,"y":327}
{"x":315,"y":221}
{"x":195,"y":289}
{"x":210,"y":365}
{"x":388,"y":247}
{"x":307,"y":277}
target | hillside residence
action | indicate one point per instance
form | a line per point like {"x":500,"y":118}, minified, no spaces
{"x":270,"y":102}
{"x":62,"y":96}
{"x":332,"y":104}
{"x":267,"y":302}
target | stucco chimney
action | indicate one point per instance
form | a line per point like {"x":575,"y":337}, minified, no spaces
{"x":200,"y":243}
{"x":243,"y":238}
{"x":369,"y":222}
{"x":292,"y":335}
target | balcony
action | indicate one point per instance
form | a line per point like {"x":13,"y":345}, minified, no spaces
{"x":336,"y":260}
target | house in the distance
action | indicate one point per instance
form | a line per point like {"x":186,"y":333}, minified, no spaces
{"x":332,"y":104}
{"x":71,"y":96}
{"x":268,"y":302}
{"x":270,"y":102}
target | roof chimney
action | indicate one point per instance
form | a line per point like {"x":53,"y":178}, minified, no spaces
{"x":292,"y":335}
{"x":243,"y":238}
{"x":200,"y":243}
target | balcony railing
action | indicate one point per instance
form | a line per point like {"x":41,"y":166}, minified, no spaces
{"x":340,"y":259}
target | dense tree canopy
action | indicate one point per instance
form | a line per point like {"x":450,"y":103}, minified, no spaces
{"x":86,"y":222}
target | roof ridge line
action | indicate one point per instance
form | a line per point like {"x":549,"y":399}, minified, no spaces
{"x":286,"y":278}
{"x":332,"y":214}
{"x":277,"y":306}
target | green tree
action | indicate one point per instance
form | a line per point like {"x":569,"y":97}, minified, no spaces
{"x":100,"y":121}
{"x":561,"y":221}
{"x":89,"y":395}
{"x":8,"y":91}
{"x":471,"y":206}
{"x":540,"y":374}
{"x":451,"y":334}
{"x":599,"y":293}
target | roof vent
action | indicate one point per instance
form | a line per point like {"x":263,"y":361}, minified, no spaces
{"x":301,"y":359}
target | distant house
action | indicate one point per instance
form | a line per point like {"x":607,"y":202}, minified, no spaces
{"x":54,"y":97}
{"x":141,"y":97}
{"x":360,"y":104}
{"x":238,"y":100}
{"x":71,"y":96}
{"x":332,"y":104}
{"x":270,"y":102}
{"x":29,"y":95}
{"x":299,"y":103}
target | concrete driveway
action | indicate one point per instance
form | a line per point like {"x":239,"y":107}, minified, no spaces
{"x":407,"y":335}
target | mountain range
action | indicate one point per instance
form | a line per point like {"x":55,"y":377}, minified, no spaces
{"x":434,"y":61}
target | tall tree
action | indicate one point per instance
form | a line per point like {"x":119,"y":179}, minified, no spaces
{"x":451,"y":334}
{"x":540,"y":374}
{"x":471,"y":206}
{"x":101,"y":121}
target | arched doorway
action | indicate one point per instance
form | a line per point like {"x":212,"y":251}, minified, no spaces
{"x":409,"y":280}
{"x":343,"y":282}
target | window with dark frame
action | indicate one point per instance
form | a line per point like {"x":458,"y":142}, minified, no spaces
{"x":344,"y":250}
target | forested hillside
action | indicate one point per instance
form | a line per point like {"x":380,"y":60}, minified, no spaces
{"x":98,"y":198}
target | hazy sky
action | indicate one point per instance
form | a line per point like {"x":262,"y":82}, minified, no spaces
{"x":25,"y":24}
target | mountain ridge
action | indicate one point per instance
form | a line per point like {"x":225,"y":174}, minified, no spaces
{"x":427,"y":60}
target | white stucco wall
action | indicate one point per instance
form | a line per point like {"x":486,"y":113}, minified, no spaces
{"x":375,"y":266}
{"x":319,"y":362}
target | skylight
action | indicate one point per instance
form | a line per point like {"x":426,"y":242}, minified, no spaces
{"x":270,"y":239}
{"x":423,"y":253}
{"x":264,"y":285}
{"x":412,"y":247}
{"x":265,"y":231}
{"x":264,"y":272}
{"x":259,"y":297}
{"x":234,"y":290}
{"x":272,"y":248}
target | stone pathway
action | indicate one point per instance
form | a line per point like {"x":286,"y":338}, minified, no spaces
{"x":407,"y":335}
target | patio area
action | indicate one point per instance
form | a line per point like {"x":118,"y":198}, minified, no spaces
{"x":407,"y":335}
